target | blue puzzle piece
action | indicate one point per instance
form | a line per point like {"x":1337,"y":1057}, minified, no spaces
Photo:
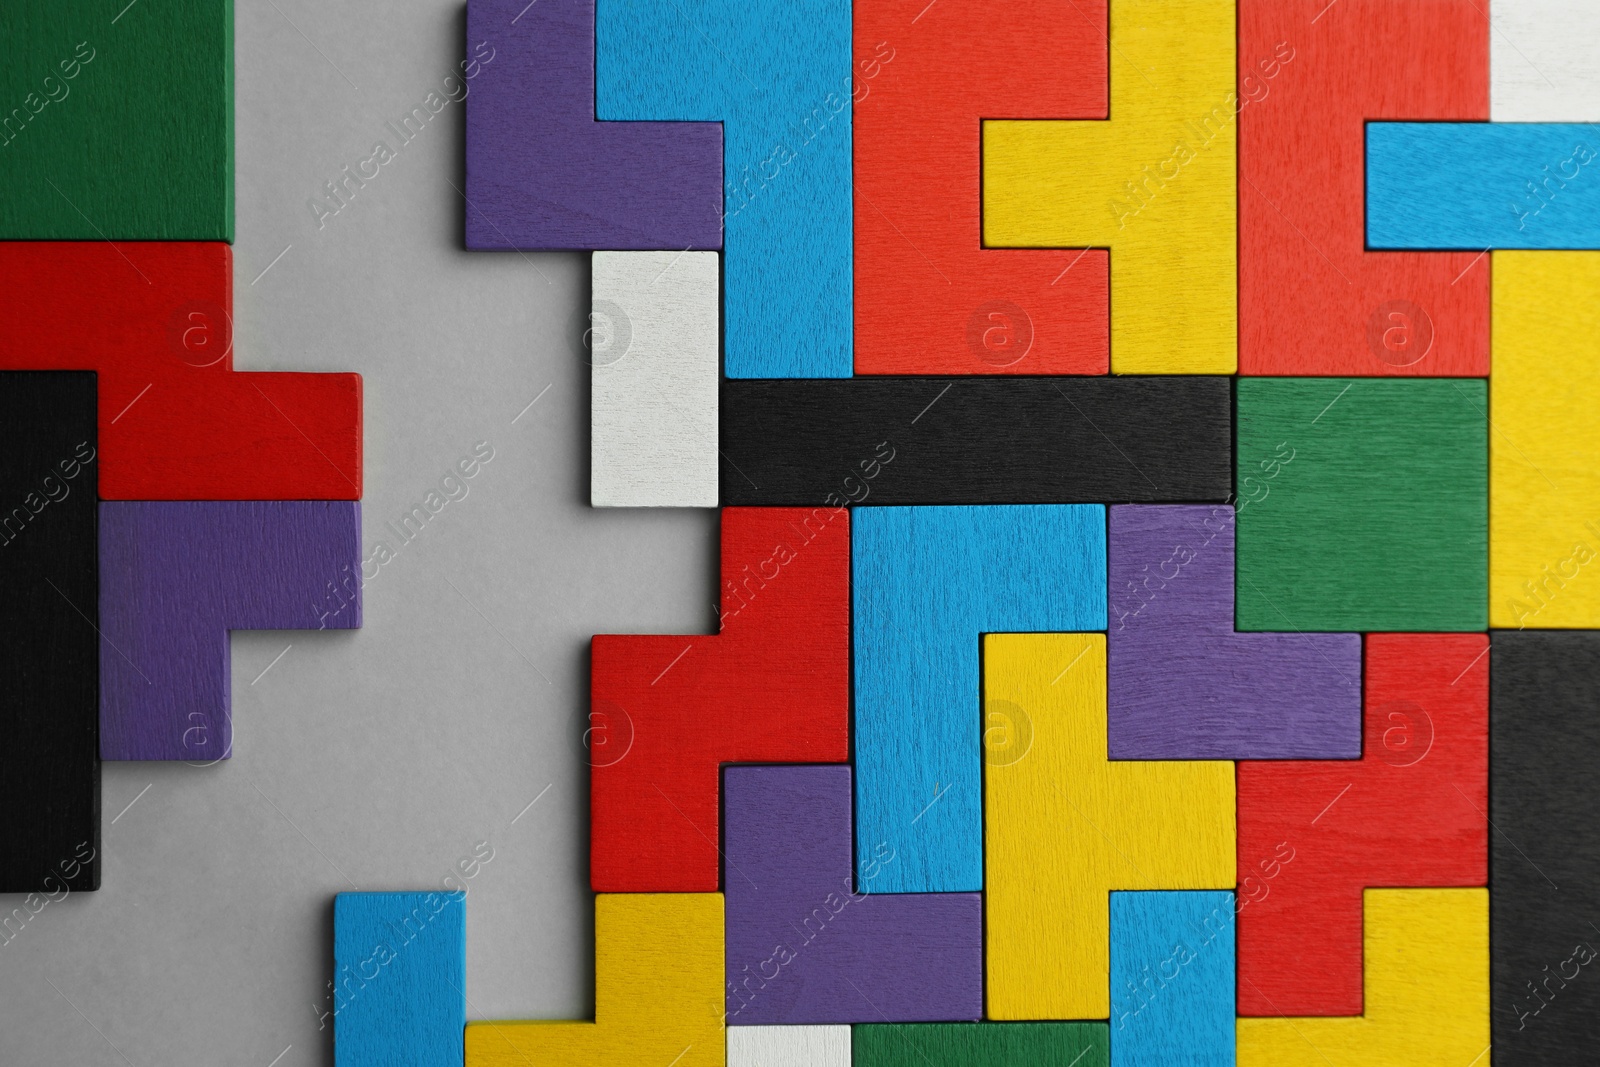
{"x":1482,"y":185}
{"x":778,"y":77}
{"x":926,"y":582}
{"x":1172,"y":979}
{"x":399,"y":979}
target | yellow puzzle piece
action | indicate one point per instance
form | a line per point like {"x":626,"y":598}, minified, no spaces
{"x":658,"y":993}
{"x":1427,"y":991}
{"x":1154,"y":184}
{"x":1064,"y":826}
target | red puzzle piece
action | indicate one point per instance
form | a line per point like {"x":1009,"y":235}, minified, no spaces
{"x":1312,"y":301}
{"x":929,"y":298}
{"x":1413,"y":811}
{"x":667,"y":712}
{"x":176,"y":421}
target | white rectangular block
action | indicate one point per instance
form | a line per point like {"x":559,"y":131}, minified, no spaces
{"x":653,"y":342}
{"x":1544,"y":60}
{"x":788,"y":1046}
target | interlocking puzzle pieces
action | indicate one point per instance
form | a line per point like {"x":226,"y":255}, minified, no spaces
{"x":778,"y":78}
{"x":1544,"y":458}
{"x":1065,"y":826}
{"x":1040,"y":1044}
{"x":1411,"y":812}
{"x":930,"y":299}
{"x":543,"y":174}
{"x":1545,"y":865}
{"x":144,"y":149}
{"x":926,"y":583}
{"x":1427,"y":995}
{"x":789,"y":1046}
{"x":1363,"y":504}
{"x":1172,"y":975}
{"x":1183,"y":684}
{"x":972,"y":440}
{"x":807,"y":940}
{"x":398,"y":995}
{"x":177,"y":422}
{"x":667,"y":711}
{"x":658,"y":993}
{"x":176,"y":577}
{"x":50,"y":760}
{"x":1155,"y":183}
{"x":1312,"y":298}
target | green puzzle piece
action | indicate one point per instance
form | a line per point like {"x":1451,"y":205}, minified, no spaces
{"x":1363,"y":504}
{"x":116,"y":120}
{"x":981,"y":1045}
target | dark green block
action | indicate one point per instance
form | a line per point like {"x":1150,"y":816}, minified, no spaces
{"x":981,"y":1045}
{"x":137,"y":144}
{"x":1379,"y":521}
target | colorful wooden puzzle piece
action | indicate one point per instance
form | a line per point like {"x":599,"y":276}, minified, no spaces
{"x":398,"y":995}
{"x":1172,"y":974}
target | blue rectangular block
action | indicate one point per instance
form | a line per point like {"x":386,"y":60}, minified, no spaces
{"x":1483,"y":185}
{"x":1172,"y":979}
{"x":399,"y":979}
{"x":926,"y":582}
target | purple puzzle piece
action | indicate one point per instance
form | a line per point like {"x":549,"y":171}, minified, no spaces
{"x":543,"y":174}
{"x":803,"y":946}
{"x":176,"y":576}
{"x":1183,"y":684}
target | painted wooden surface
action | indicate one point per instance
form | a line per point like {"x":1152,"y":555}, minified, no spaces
{"x":1475,"y":185}
{"x":982,"y":1045}
{"x":808,"y":940}
{"x":1183,"y":684}
{"x":1410,"y":812}
{"x":119,"y":122}
{"x":153,"y":319}
{"x":1364,"y":504}
{"x":1541,"y":61}
{"x":666,"y":711}
{"x":1172,"y":976}
{"x":926,"y":583}
{"x":1544,"y":463}
{"x":1155,"y":184}
{"x":653,"y":333}
{"x":658,"y":993}
{"x":176,"y":577}
{"x":1065,"y":826}
{"x":49,"y":572}
{"x":788,"y":1046}
{"x":1544,"y":870}
{"x":1312,"y":299}
{"x":976,"y":440}
{"x":1427,"y":996}
{"x":399,"y":979}
{"x":784,"y":103}
{"x":542,"y":173}
{"x":930,"y":299}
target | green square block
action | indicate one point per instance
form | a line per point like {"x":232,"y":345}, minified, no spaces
{"x":981,"y":1045}
{"x":1363,"y":504}
{"x":116,"y":120}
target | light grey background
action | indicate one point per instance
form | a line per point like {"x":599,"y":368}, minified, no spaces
{"x":376,"y":759}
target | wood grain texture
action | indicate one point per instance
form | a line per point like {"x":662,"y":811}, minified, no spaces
{"x":784,"y":104}
{"x":667,"y":711}
{"x":1312,"y":299}
{"x":982,"y":1045}
{"x":930,"y":299}
{"x":177,"y":577}
{"x":788,"y":1046}
{"x":176,"y":421}
{"x":1541,"y":62}
{"x":1544,"y":870}
{"x":1172,"y":977}
{"x":1065,"y":826}
{"x":653,"y":329}
{"x":1476,"y":185}
{"x":926,"y":583}
{"x":1155,"y":184}
{"x":657,"y":998}
{"x":1410,"y":812}
{"x":49,"y":576}
{"x":976,"y":440}
{"x":1365,"y":504}
{"x":1183,"y":684}
{"x":119,"y":123}
{"x":543,"y":174}
{"x":811,"y":942}
{"x":399,"y":979}
{"x":1427,"y":997}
